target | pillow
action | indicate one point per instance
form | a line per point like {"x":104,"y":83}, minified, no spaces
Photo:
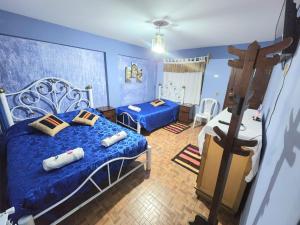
{"x":86,"y":117}
{"x":49,"y":124}
{"x":157,"y":102}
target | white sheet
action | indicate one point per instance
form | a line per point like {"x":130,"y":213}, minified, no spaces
{"x":251,"y":131}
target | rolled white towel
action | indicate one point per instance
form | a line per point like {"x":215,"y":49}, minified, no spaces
{"x":113,"y":139}
{"x":63,"y":159}
{"x":134,"y":108}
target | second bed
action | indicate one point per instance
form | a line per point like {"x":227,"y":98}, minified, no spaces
{"x":150,"y":117}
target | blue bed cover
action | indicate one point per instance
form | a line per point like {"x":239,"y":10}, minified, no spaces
{"x":30,"y":188}
{"x":151,"y":117}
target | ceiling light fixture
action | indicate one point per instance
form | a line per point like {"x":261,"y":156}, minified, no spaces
{"x":158,"y":42}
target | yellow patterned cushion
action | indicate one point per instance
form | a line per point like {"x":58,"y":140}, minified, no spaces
{"x":49,"y":124}
{"x":157,"y":102}
{"x":85,"y":117}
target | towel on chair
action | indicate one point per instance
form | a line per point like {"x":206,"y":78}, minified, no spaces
{"x":63,"y":159}
{"x":134,"y":108}
{"x":114,"y":139}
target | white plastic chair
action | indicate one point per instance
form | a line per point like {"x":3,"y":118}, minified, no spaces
{"x":207,"y":109}
{"x":4,"y":217}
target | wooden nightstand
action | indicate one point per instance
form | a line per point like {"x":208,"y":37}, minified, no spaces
{"x":109,"y":112}
{"x":185,"y":112}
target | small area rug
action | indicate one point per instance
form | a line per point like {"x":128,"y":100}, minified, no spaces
{"x":176,"y":128}
{"x":189,"y":158}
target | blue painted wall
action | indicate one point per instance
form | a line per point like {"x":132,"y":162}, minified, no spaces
{"x":134,"y":92}
{"x":216,"y":52}
{"x":21,"y":26}
{"x":24,"y":60}
{"x":216,"y":78}
{"x":274,"y":198}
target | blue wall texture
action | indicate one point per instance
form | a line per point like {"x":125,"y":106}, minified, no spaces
{"x":134,"y":92}
{"x":23,"y":61}
{"x":274,"y":198}
{"x":21,"y":26}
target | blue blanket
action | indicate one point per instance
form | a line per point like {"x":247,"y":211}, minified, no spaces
{"x":151,"y":117}
{"x":30,"y":188}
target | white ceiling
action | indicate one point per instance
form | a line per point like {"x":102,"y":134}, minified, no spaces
{"x":198,"y":23}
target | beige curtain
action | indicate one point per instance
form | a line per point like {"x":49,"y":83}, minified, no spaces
{"x":173,"y":84}
{"x":190,"y":67}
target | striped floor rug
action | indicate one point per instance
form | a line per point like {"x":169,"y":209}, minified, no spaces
{"x":176,"y":128}
{"x":189,"y":158}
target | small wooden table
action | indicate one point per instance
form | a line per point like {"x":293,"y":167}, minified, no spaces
{"x":109,"y":112}
{"x":184,"y":113}
{"x":242,"y":169}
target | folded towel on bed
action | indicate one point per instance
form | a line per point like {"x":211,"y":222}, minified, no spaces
{"x":63,"y":159}
{"x":134,"y":108}
{"x":113,"y":139}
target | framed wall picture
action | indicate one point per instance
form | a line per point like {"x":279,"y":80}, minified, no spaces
{"x":134,"y":70}
{"x":127,"y":74}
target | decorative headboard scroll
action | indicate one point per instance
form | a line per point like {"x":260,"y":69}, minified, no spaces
{"x":47,"y":95}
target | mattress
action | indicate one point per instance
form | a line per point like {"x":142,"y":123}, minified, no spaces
{"x":30,"y":188}
{"x":151,"y":117}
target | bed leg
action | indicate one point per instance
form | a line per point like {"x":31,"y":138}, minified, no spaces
{"x":26,"y":220}
{"x":148,"y":158}
{"x":139,"y":128}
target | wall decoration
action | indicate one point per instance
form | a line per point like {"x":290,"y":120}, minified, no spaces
{"x":133,"y":72}
{"x":139,"y":89}
{"x":24,"y":61}
{"x":139,"y":76}
{"x":127,"y":74}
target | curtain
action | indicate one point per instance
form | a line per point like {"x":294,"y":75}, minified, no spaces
{"x":182,"y":80}
{"x":173,"y":84}
{"x":184,"y":67}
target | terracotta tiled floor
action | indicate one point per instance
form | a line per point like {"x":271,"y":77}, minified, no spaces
{"x":165,"y":196}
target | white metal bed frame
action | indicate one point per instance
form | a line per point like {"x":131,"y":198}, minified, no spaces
{"x":50,"y":90}
{"x":126,"y":119}
{"x":54,"y":91}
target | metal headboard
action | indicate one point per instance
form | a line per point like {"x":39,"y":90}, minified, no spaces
{"x":47,"y":95}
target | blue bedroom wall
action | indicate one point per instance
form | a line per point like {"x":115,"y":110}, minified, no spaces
{"x":217,"y":71}
{"x":133,"y":91}
{"x":274,"y":197}
{"x":25,"y":27}
{"x":24,"y":60}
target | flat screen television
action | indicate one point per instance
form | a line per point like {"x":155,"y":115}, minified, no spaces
{"x":288,"y":26}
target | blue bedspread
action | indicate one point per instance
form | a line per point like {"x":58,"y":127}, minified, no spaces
{"x":151,"y":117}
{"x":30,"y":188}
